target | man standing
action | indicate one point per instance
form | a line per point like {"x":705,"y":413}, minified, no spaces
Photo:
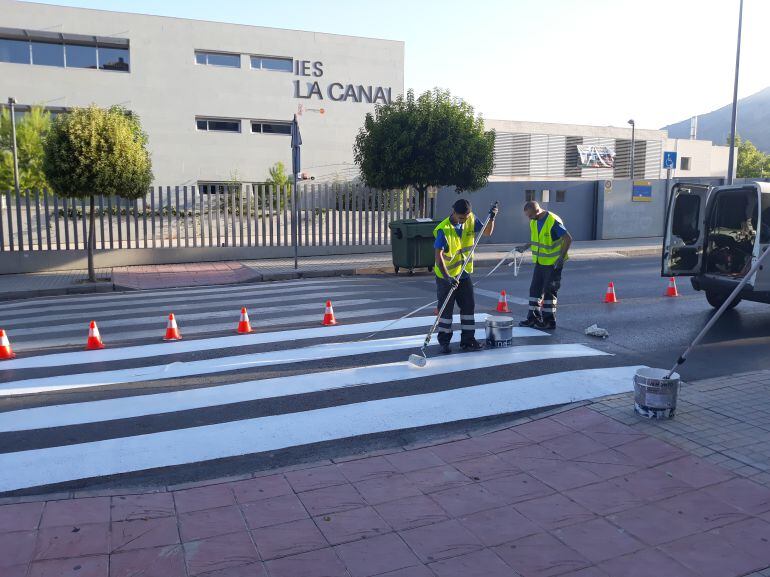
{"x":549,"y":242}
{"x":455,"y":236}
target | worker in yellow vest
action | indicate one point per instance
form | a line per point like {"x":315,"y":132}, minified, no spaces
{"x":550,"y":242}
{"x":454,"y":239}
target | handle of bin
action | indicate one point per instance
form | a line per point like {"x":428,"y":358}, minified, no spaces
{"x":398,"y":233}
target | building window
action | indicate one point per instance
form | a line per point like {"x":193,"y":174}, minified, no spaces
{"x":684,"y":163}
{"x":560,"y":195}
{"x":272,"y":63}
{"x":529,"y":195}
{"x":270,"y":127}
{"x":546,"y":196}
{"x":218,"y":124}
{"x":66,"y":50}
{"x":218,"y":59}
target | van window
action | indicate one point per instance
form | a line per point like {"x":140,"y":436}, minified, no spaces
{"x":686,"y":213}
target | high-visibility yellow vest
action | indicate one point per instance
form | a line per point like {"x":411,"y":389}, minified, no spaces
{"x":457,"y":246}
{"x":545,"y":251}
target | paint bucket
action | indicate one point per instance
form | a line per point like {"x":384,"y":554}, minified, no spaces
{"x":654,"y":395}
{"x":499,"y":331}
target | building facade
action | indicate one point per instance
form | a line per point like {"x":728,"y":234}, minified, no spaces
{"x":215,"y":99}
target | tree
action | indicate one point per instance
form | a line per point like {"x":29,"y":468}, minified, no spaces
{"x":92,"y":151}
{"x":752,"y":162}
{"x":433,"y":140}
{"x":278,"y":176}
{"x":31,"y":131}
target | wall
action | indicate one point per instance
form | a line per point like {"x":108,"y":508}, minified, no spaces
{"x":167,"y":89}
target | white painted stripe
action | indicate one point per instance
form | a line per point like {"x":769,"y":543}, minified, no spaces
{"x":37,"y":303}
{"x":188,"y":331}
{"x":496,"y":296}
{"x":177,"y":347}
{"x":114,"y":456}
{"x":142,"y":405}
{"x":222,"y":364}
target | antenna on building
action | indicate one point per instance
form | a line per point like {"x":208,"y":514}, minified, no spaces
{"x":694,"y":128}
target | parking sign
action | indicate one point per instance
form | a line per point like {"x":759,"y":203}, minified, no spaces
{"x":669,"y":160}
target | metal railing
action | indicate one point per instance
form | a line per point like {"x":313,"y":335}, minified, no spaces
{"x":187,"y":216}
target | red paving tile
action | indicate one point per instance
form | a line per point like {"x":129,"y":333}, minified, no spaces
{"x":650,"y":452}
{"x":654,"y":525}
{"x":543,"y":429}
{"x":71,"y":512}
{"x":604,"y":498}
{"x":414,"y":571}
{"x":365,"y":469}
{"x":532,"y":451}
{"x":441,"y":541}
{"x":554,"y":511}
{"x":541,"y":555}
{"x":411,"y":512}
{"x":384,"y":489}
{"x":467,"y":500}
{"x":260,"y":488}
{"x":573,"y":445}
{"x":482,"y":563}
{"x":61,"y":542}
{"x":517,"y":488}
{"x":460,"y":451}
{"x":644,"y":564}
{"x":501,"y":441}
{"x":652,"y":485}
{"x":321,"y":563}
{"x":614,"y":439}
{"x":347,"y":526}
{"x":486,"y":468}
{"x":695,"y":472}
{"x":149,"y":506}
{"x":407,"y":461}
{"x":288,"y":539}
{"x":703,"y":508}
{"x":143,"y":534}
{"x":17,"y":548}
{"x":219,"y":553}
{"x":377,"y":555}
{"x":159,"y":562}
{"x":315,"y":478}
{"x":497,"y":526}
{"x":210,"y":523}
{"x":332,"y":500}
{"x":564,"y":475}
{"x":589,"y":572}
{"x":597,"y":540}
{"x":607,"y":471}
{"x":708,"y":555}
{"x":752,"y":536}
{"x":252,"y":570}
{"x":273,"y":511}
{"x":438,"y":479}
{"x":742,"y":494}
{"x":21,"y":571}
{"x":208,"y":497}
{"x":582,"y":418}
{"x":78,"y":567}
{"x":20,"y":517}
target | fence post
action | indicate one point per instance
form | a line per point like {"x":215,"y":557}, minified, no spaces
{"x":38,"y":221}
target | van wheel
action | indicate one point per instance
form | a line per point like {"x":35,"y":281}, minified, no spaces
{"x":717,"y":299}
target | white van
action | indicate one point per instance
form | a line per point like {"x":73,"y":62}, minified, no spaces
{"x":715,"y":234}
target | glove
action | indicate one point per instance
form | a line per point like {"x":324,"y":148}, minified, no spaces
{"x":521,"y":248}
{"x":492,"y":214}
{"x":559,"y":264}
{"x":454,"y":283}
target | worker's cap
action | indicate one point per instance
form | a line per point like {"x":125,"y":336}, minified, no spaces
{"x":462,"y":206}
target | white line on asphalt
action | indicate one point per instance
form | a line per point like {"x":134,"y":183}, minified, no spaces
{"x":38,"y":467}
{"x":495,"y":295}
{"x":70,"y":340}
{"x":222,"y":364}
{"x":137,"y":406}
{"x":172,"y":348}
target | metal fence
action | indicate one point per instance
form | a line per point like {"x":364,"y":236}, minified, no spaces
{"x":189,"y":216}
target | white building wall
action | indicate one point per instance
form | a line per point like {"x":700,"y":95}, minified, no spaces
{"x":705,"y":158}
{"x":168,"y":89}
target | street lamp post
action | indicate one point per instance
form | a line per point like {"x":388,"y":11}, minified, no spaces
{"x":12,"y":106}
{"x":633,"y":145}
{"x":731,"y":160}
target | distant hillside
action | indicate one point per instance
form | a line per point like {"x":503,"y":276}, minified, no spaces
{"x":753,"y":122}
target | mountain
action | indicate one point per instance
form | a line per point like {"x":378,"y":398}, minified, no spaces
{"x":753,"y":122}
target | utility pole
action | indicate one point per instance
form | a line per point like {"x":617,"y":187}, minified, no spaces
{"x":633,"y":145}
{"x":731,"y":161}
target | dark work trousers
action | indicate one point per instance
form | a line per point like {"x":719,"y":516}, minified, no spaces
{"x":543,"y":290}
{"x":464,"y":298}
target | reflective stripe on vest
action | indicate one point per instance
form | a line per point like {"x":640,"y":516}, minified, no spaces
{"x":544,"y":250}
{"x":457,"y":247}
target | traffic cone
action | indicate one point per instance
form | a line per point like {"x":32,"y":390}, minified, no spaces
{"x":502,"y":303}
{"x":172,"y":331}
{"x":610,"y":296}
{"x":5,"y":347}
{"x":671,"y":290}
{"x":94,"y":338}
{"x":329,"y":315}
{"x":244,"y":326}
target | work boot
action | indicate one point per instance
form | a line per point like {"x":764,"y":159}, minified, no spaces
{"x":471,"y":346}
{"x":529,"y":322}
{"x":444,"y":348}
{"x":546,"y":324}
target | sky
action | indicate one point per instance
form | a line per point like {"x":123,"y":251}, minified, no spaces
{"x":597,"y":62}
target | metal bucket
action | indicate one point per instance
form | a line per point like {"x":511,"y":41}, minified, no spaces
{"x":499,"y":331}
{"x":654,"y":395}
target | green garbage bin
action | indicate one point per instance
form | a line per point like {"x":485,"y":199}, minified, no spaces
{"x":411,"y":242}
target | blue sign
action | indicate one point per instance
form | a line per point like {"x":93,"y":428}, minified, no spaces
{"x":642,"y":191}
{"x":669,"y":160}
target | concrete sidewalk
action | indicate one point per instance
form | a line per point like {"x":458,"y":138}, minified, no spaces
{"x":584,"y":491}
{"x":18,"y":286}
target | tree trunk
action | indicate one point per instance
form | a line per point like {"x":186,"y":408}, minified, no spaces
{"x":91,"y":241}
{"x":422,"y":200}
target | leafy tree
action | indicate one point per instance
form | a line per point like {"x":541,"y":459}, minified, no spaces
{"x":31,"y":131}
{"x":752,"y":162}
{"x":92,"y":151}
{"x":278,"y":176}
{"x":433,"y":140}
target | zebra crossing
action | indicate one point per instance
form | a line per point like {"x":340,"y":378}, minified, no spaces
{"x":71,"y":417}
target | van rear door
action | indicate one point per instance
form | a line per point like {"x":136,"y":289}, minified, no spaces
{"x":685,"y":234}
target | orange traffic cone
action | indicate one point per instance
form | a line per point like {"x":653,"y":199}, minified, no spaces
{"x":94,"y":338}
{"x":244,"y":326}
{"x":610,"y":296}
{"x":172,"y":331}
{"x":6,"y":352}
{"x":329,"y":315}
{"x":502,"y":303}
{"x":671,"y":290}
